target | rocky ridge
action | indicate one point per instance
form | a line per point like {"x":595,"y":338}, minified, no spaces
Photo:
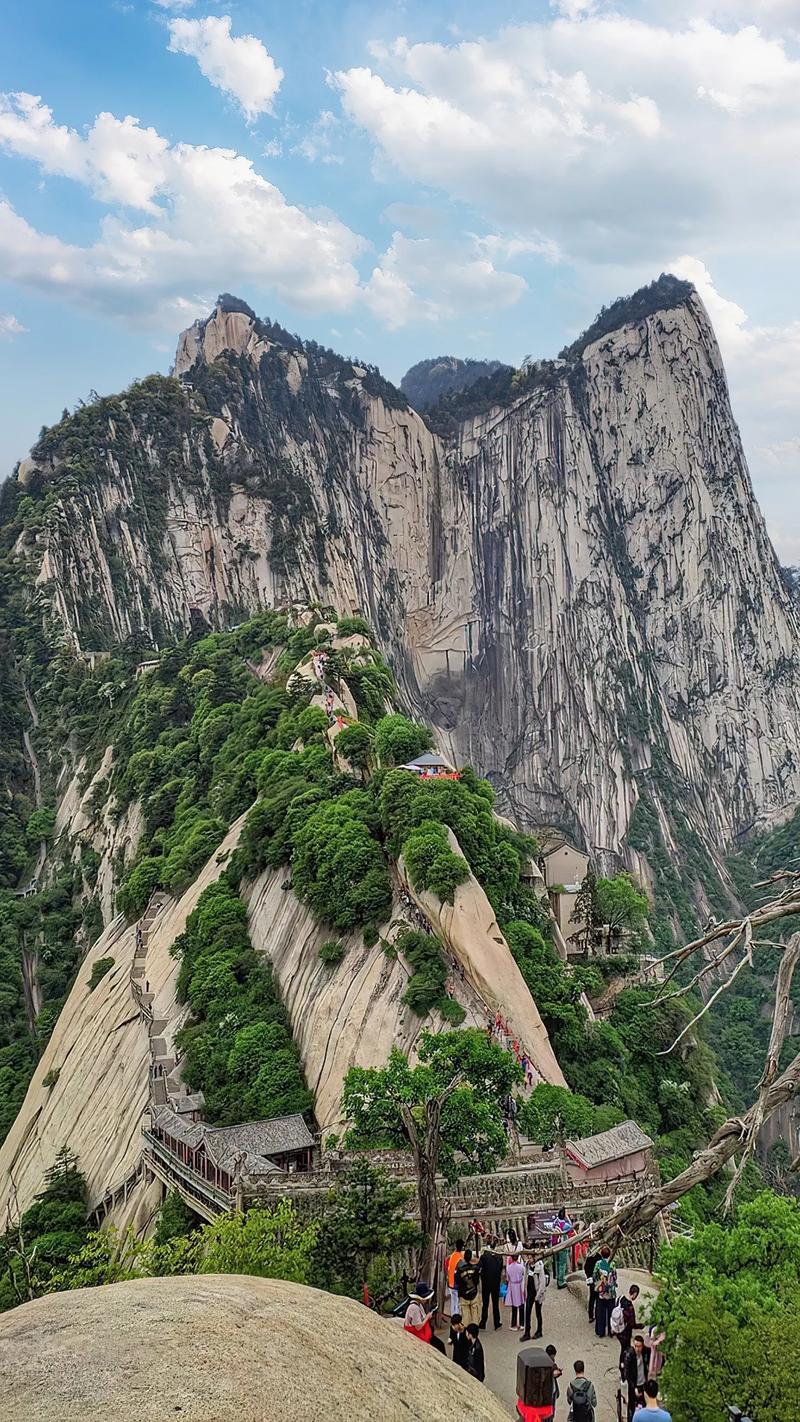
{"x":577,"y":590}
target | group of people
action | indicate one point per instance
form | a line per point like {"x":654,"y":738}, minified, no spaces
{"x":640,"y":1358}
{"x":497,"y":1030}
{"x":474,"y":1282}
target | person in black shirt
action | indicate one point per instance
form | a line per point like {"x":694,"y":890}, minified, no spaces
{"x":491,"y":1267}
{"x":475,"y":1364}
{"x":588,"y":1269}
{"x":460,"y":1342}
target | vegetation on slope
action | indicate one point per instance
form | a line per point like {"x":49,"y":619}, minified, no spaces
{"x":662,"y":294}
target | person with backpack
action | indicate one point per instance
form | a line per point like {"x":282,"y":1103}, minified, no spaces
{"x":451,"y":1263}
{"x":623,"y":1318}
{"x":420,"y":1314}
{"x":467,"y":1278}
{"x":605,"y":1292}
{"x":581,"y":1397}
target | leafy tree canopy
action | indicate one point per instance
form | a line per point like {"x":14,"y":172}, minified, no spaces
{"x":472,"y":1134}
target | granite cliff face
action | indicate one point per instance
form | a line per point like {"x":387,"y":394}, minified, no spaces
{"x":575,"y":585}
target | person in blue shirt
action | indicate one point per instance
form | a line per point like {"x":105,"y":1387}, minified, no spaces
{"x":650,"y":1410}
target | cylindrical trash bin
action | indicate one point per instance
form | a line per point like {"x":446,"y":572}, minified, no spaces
{"x":535,"y":1385}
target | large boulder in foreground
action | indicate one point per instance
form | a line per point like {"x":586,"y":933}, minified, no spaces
{"x":222,"y":1348}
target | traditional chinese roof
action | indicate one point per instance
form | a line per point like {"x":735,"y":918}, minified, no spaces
{"x":253,"y":1142}
{"x":622,"y":1140}
{"x":428,"y":762}
{"x":185,"y":1105}
{"x":265,"y":1138}
{"x":189,"y":1133}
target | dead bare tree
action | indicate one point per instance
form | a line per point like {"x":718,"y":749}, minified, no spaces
{"x":730,"y":947}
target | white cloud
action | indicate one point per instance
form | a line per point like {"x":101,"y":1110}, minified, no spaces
{"x":429,"y":279}
{"x":207,"y":221}
{"x":763,"y":366}
{"x":174,"y":4}
{"x":118,"y":160}
{"x":317,"y":144}
{"x":239,"y":65}
{"x":618,"y":139}
{"x":10,"y":327}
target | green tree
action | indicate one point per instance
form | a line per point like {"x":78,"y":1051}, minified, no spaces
{"x":355,"y":744}
{"x":272,"y":1243}
{"x":447,"y":1110}
{"x":621,"y":904}
{"x":552,"y":1113}
{"x":364,"y":1225}
{"x":730,"y":1307}
{"x":398,"y":740}
{"x":37,"y":1245}
{"x":585,"y":910}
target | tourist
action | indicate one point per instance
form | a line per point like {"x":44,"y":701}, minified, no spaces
{"x":491,"y":1273}
{"x":535,"y":1286}
{"x":451,"y":1263}
{"x":467,"y":1280}
{"x":623,"y":1318}
{"x":418,"y":1316}
{"x":605,"y":1291}
{"x":557,"y":1372}
{"x":655,"y":1337}
{"x":650,"y":1409}
{"x":475,"y":1365}
{"x":458,"y":1341}
{"x":581,"y":1396}
{"x":589,"y":1264}
{"x":633,"y":1368}
{"x":514,"y":1245}
{"x":515,"y":1291}
{"x":562,"y":1229}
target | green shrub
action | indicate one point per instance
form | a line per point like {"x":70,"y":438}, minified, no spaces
{"x":145,"y":876}
{"x":50,"y":1079}
{"x":100,"y":967}
{"x":398,"y":740}
{"x":355,"y":744}
{"x":350,"y":626}
{"x":332,"y":952}
{"x":238,"y":1044}
{"x":431,"y":862}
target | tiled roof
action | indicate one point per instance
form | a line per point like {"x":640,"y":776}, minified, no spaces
{"x":255,"y":1141}
{"x":189,"y":1133}
{"x":265,"y":1138}
{"x":622,"y":1140}
{"x":423,"y":761}
{"x":184,"y":1105}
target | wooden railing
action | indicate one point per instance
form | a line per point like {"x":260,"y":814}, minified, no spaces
{"x":201,"y":1195}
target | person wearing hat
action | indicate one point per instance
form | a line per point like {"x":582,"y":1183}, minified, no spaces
{"x":419,"y":1313}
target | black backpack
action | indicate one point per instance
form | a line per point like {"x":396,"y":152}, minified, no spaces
{"x":582,"y":1410}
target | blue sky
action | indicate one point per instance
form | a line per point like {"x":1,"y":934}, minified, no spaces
{"x":398,"y":180}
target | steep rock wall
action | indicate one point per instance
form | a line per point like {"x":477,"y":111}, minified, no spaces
{"x":100,"y":1049}
{"x":577,"y":589}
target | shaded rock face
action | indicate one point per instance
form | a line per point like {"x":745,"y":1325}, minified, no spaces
{"x":576,"y":590}
{"x":217,"y":1346}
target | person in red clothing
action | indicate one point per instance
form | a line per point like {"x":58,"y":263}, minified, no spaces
{"x":419,"y":1316}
